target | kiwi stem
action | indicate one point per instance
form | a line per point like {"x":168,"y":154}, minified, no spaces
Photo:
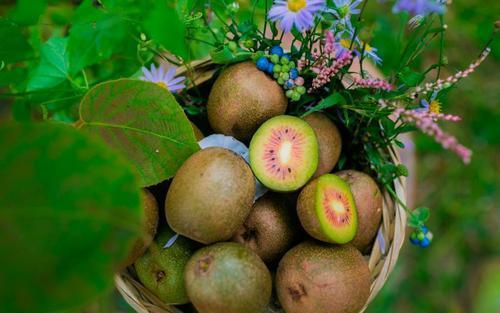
{"x":395,"y":196}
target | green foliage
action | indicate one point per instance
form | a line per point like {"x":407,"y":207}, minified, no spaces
{"x":146,"y":125}
{"x":27,"y":12}
{"x":167,"y":28}
{"x":54,"y":65}
{"x":95,"y":35}
{"x":69,"y":210}
{"x":411,"y":78}
{"x":328,"y":102}
{"x":15,"y":46}
{"x":418,"y":217}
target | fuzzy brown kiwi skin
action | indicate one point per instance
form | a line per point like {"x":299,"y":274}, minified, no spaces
{"x":149,"y":228}
{"x":315,"y":277}
{"x":269,"y":229}
{"x":329,"y":142}
{"x":227,"y":278}
{"x":368,"y":200}
{"x":242,"y":98}
{"x":211,"y":196}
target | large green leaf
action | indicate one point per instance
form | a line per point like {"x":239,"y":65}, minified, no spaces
{"x":96,"y":34}
{"x":164,"y":16}
{"x":54,"y":65}
{"x":69,"y":210}
{"x":14,"y":45}
{"x":28,"y":12}
{"x":144,"y":122}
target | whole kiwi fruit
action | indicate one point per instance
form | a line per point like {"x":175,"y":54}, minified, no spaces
{"x":242,"y":98}
{"x":329,"y":142}
{"x":210,"y":196}
{"x":315,"y":277}
{"x":269,"y":229}
{"x":149,"y":226}
{"x":368,"y":199}
{"x":228,"y":278}
{"x":161,"y":268}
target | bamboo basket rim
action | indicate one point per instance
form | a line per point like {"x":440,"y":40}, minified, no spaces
{"x":381,"y":260}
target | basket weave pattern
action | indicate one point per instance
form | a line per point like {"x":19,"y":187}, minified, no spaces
{"x":381,"y":261}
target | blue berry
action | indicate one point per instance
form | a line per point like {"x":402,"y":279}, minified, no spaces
{"x":294,"y":73}
{"x":262,"y":63}
{"x":276,"y":50}
{"x":287,"y":56}
{"x":425,"y":243}
{"x":424,"y":229}
{"x":289,"y":83}
{"x":415,"y":241}
{"x":270,"y":68}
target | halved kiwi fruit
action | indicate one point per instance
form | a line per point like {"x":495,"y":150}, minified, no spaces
{"x":327,"y":210}
{"x":284,"y":153}
{"x":368,"y":199}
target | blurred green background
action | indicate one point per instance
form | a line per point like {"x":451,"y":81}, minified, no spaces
{"x":460,"y":272}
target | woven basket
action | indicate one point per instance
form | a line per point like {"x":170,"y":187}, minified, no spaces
{"x":381,"y":261}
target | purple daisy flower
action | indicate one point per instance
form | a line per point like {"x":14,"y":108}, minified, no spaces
{"x":419,"y":7}
{"x":164,"y":78}
{"x":298,"y":13}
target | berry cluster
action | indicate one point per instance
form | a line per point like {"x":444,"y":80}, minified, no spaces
{"x":283,"y":69}
{"x":421,"y":237}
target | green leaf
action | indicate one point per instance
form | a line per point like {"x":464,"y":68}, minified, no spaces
{"x":28,"y":12}
{"x":328,"y":102}
{"x":226,"y":56}
{"x":411,"y":78}
{"x":14,"y":45}
{"x":144,"y":122}
{"x":418,"y":217}
{"x":166,"y":27}
{"x":69,"y":211}
{"x":96,"y":34}
{"x":54,"y":65}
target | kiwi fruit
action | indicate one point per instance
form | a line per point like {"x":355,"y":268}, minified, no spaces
{"x":327,"y":210}
{"x":210,"y":196}
{"x":228,"y":278}
{"x":197,"y":132}
{"x":242,"y":98}
{"x":161,"y":269}
{"x":316,"y":277}
{"x":284,"y":153}
{"x":149,"y":226}
{"x":329,"y":142}
{"x":269,"y":229}
{"x":368,"y":199}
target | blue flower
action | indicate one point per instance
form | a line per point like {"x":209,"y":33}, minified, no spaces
{"x":164,"y":78}
{"x":295,"y":13}
{"x":419,"y":7}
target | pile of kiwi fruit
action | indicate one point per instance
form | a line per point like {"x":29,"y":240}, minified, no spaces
{"x":215,"y":248}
